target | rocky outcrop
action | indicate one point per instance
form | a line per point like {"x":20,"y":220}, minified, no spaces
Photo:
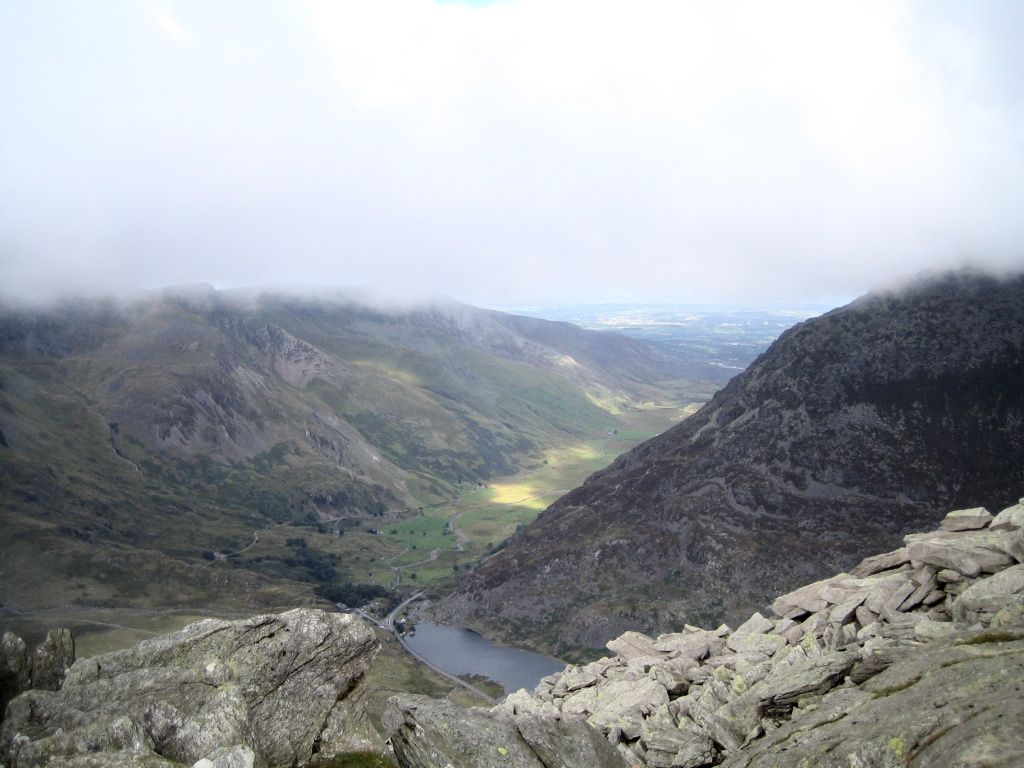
{"x":852,"y":430}
{"x":45,"y":669}
{"x":914,"y":657}
{"x":268,"y":691}
{"x":53,"y":659}
{"x":15,"y":669}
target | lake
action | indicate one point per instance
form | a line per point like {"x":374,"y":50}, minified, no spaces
{"x":461,"y":651}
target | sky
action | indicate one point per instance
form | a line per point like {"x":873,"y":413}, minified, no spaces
{"x":512,"y":151}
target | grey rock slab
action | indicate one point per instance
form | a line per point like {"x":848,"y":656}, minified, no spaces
{"x":1011,"y":518}
{"x":807,"y":599}
{"x":966,"y":519}
{"x":842,"y":612}
{"x":785,"y":684}
{"x":625,"y":700}
{"x":348,"y":727}
{"x":938,"y":707}
{"x":579,"y":678}
{"x":631,"y":645}
{"x":436,"y":733}
{"x":969,"y":552}
{"x":671,"y":746}
{"x":269,"y":682}
{"x":567,"y":743}
{"x":523,"y":702}
{"x":756,"y":642}
{"x":755,"y":624}
{"x":694,"y":646}
{"x":884,"y":562}
{"x":986,"y":597}
{"x":928,"y":630}
{"x":672,"y":675}
{"x":732,"y":660}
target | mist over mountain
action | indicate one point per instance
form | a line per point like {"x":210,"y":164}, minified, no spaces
{"x":851,"y":430}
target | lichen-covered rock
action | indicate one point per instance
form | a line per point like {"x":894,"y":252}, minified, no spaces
{"x":940,"y":707}
{"x":270,"y":683}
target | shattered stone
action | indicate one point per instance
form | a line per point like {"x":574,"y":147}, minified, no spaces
{"x":1011,"y":518}
{"x":966,"y":520}
{"x":632,"y":645}
{"x":884,"y":562}
{"x":986,"y":597}
{"x":970,"y":552}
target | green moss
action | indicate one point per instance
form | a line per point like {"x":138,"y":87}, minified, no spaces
{"x":896,"y":746}
{"x":881,"y":693}
{"x":354,"y":760}
{"x":992,"y":636}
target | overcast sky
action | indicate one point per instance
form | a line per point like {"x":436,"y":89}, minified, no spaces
{"x":525,"y":150}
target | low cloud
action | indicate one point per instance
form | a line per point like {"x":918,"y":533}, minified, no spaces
{"x":510,"y":151}
{"x":172,"y":27}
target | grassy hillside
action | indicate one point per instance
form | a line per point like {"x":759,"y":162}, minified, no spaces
{"x":195,"y":449}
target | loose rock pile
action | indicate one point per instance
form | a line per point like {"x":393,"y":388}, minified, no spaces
{"x":916,"y":654}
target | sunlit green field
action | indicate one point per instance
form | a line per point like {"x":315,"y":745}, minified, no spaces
{"x":444,"y":538}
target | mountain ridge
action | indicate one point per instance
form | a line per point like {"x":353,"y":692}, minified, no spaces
{"x":891,"y":410}
{"x":184,"y":420}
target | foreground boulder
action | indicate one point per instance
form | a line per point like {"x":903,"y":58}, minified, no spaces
{"x":430,"y":733}
{"x":267,"y":691}
{"x":915,"y":657}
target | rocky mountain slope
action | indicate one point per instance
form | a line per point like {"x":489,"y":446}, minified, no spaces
{"x":142,"y":438}
{"x":852,"y":429}
{"x":913,"y":658}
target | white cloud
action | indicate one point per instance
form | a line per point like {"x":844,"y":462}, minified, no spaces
{"x":172,"y":27}
{"x":536,"y":148}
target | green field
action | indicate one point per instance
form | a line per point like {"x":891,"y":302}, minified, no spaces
{"x":445,"y":538}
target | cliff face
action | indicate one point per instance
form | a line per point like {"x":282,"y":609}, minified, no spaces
{"x":852,"y":429}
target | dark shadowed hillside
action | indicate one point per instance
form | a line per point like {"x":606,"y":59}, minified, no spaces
{"x":852,"y":429}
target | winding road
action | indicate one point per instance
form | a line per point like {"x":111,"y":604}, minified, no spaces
{"x":388,"y":625}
